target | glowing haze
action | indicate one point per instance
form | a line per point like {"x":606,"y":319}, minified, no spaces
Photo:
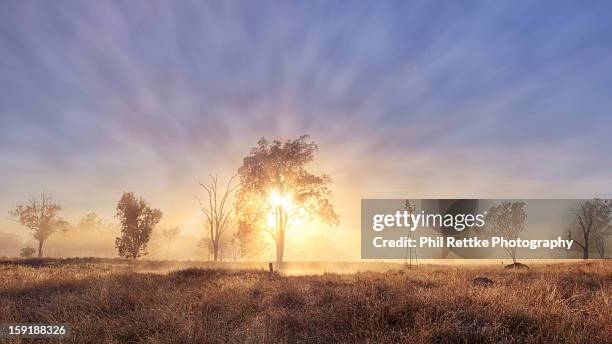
{"x":405,"y":99}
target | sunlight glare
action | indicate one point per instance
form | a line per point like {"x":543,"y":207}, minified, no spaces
{"x":283,"y":201}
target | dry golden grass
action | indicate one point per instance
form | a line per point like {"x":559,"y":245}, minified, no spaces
{"x":545,"y":304}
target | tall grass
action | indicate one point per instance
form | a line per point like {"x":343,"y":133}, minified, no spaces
{"x":546,"y":304}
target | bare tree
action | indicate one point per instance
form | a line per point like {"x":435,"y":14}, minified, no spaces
{"x":41,"y":216}
{"x":170,"y":235}
{"x":218,"y":211}
{"x":411,"y":254}
{"x":508,"y":221}
{"x":600,"y":238}
{"x":592,"y":223}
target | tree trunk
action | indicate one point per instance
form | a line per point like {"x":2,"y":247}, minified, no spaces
{"x":585,"y":250}
{"x":40,"y":248}
{"x":215,"y":251}
{"x":599,"y":248}
{"x":280,"y":247}
{"x":280,"y":237}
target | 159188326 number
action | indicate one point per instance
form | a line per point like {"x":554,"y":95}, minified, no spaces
{"x":33,"y":330}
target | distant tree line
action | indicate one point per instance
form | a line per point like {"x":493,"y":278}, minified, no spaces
{"x":274,"y":189}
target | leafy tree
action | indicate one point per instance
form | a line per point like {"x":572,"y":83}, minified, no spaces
{"x":249,"y":241}
{"x":91,"y":235}
{"x":507,"y":220}
{"x":92,"y":222}
{"x":170,"y":235}
{"x":41,"y":216}
{"x":27,"y":252}
{"x":137,"y":220}
{"x":276,"y":189}
{"x":593,"y":221}
{"x":217,"y":211}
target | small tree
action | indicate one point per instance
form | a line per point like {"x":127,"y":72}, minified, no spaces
{"x":593,"y":219}
{"x":249,"y":240}
{"x":234,"y":250}
{"x":91,"y":222}
{"x":507,"y":220}
{"x":27,"y":252}
{"x":170,"y":235}
{"x":599,"y":239}
{"x":206,"y":244}
{"x":91,"y":235}
{"x":217,"y":212}
{"x":137,"y":223}
{"x":41,"y":216}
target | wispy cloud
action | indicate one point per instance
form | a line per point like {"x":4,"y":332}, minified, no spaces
{"x":427,"y":98}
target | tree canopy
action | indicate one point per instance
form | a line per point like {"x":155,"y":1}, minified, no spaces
{"x":274,"y":183}
{"x":137,"y":220}
{"x":508,"y":221}
{"x":41,"y":216}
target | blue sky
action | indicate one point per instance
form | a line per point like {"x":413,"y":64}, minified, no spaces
{"x":406,"y":99}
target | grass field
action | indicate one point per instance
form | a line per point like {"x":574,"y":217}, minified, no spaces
{"x":112,"y":303}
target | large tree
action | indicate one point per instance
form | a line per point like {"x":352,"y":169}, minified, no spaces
{"x":41,"y":216}
{"x":217,"y":211}
{"x":276,"y":188}
{"x":508,"y":221}
{"x":137,"y":220}
{"x":592,"y":223}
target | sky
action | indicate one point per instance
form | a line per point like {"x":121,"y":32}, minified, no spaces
{"x":407,"y":99}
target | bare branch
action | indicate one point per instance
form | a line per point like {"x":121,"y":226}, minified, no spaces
{"x":217,"y":213}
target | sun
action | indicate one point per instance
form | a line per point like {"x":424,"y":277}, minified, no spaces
{"x":279,"y":200}
{"x":282,"y":203}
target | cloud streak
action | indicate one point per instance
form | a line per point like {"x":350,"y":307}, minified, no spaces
{"x":421,"y":98}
